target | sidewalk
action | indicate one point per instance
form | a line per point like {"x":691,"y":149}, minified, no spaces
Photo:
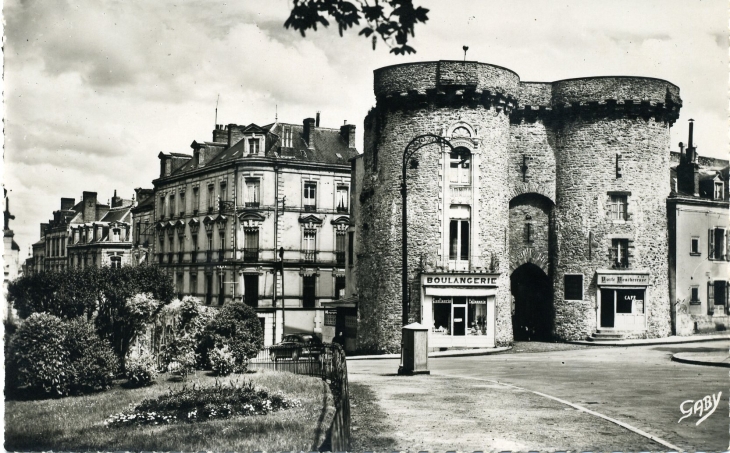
{"x":488,"y":351}
{"x":719,"y":358}
{"x":655,"y":341}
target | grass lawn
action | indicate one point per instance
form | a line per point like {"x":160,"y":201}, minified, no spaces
{"x":77,"y":423}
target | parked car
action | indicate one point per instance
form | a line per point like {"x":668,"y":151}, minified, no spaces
{"x":296,"y":346}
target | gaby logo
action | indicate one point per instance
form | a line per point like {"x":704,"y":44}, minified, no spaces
{"x":691,"y":407}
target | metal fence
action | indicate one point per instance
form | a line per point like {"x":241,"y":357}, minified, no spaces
{"x":326,"y":361}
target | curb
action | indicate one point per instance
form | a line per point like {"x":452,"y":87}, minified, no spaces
{"x":437,"y":354}
{"x":653,"y":342}
{"x":676,"y":358}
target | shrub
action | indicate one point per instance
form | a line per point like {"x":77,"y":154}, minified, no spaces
{"x":141,"y":370}
{"x":38,"y":356}
{"x":222,"y":361}
{"x":48,"y":356}
{"x":204,"y":403}
{"x":237,"y":327}
{"x":187,"y":318}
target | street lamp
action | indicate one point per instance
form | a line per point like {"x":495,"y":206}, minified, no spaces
{"x":413,"y":146}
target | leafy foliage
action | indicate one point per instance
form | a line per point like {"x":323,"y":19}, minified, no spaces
{"x":204,"y":403}
{"x":141,"y":371}
{"x":188,"y":317}
{"x":236,"y":327}
{"x":222,"y":361}
{"x":392,"y":20}
{"x":52,"y":357}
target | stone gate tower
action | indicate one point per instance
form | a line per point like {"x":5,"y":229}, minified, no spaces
{"x":547,"y":218}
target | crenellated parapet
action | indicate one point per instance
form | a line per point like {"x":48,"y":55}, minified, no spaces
{"x":446,"y":84}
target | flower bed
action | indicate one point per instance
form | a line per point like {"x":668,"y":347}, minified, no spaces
{"x":199,"y":403}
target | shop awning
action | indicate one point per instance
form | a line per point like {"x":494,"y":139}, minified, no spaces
{"x":451,"y":291}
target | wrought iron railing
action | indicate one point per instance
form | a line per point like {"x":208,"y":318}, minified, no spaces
{"x":310,"y":256}
{"x":340,"y":257}
{"x":250,"y":255}
{"x":326,"y":361}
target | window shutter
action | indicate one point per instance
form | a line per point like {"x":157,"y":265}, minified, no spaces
{"x":710,"y":297}
{"x":711,"y":244}
{"x":727,"y":245}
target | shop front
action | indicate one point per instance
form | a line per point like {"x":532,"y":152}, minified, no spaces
{"x":622,"y":300}
{"x":459,"y":309}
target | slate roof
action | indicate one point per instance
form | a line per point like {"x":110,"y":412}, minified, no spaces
{"x":120,"y":214}
{"x":329,"y":147}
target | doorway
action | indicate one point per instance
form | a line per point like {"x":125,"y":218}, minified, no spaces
{"x":459,"y":320}
{"x":533,"y":315}
{"x":608,"y":308}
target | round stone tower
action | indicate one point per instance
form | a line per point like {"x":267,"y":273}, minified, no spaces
{"x":612,"y":167}
{"x":457,"y":202}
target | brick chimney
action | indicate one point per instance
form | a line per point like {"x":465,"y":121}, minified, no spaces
{"x":234,"y":134}
{"x":347,"y":132}
{"x":116,"y":201}
{"x":316,"y":123}
{"x":220,"y":134}
{"x":688,"y":174}
{"x":309,"y":125}
{"x":89,"y":206}
{"x":67,"y":203}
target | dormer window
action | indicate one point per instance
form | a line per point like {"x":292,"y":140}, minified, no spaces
{"x":718,"y":191}
{"x":253,"y":146}
{"x":286,"y":137}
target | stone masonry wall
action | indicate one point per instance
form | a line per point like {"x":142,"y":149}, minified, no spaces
{"x":586,"y":171}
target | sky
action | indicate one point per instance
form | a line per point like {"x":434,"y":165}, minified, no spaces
{"x":94,"y":90}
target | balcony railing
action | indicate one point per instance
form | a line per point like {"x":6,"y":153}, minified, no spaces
{"x":250,"y":255}
{"x":340,"y":257}
{"x":252,"y":204}
{"x":460,"y":192}
{"x":310,"y":256}
{"x":341,"y":208}
{"x":310,"y":207}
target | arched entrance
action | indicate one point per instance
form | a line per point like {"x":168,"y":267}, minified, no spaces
{"x":534,"y":313}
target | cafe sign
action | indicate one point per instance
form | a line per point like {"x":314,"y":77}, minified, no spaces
{"x":623,"y":279}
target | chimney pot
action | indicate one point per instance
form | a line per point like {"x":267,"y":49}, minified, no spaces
{"x":309,"y":125}
{"x":316,"y":124}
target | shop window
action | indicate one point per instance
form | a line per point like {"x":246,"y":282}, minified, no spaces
{"x":573,"y":286}
{"x":309,"y":288}
{"x":459,"y":240}
{"x":694,"y":246}
{"x":253,"y":191}
{"x":623,"y":305}
{"x":716,"y":244}
{"x":310,"y":196}
{"x":618,"y":207}
{"x":695,"y":295}
{"x":477,"y":315}
{"x":460,"y":167}
{"x":441,"y":316}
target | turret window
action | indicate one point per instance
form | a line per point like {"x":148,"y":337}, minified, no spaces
{"x":460,"y":167}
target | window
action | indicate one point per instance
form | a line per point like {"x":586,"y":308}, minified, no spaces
{"x":208,"y":288}
{"x":196,"y":200}
{"x":253,"y":146}
{"x":341,"y":202}
{"x":309,"y":287}
{"x":339,"y":287}
{"x":194,"y":248}
{"x":224,"y":192}
{"x":253,"y":192}
{"x":573,"y":286}
{"x":171,"y":206}
{"x":209,"y":250}
{"x":221,"y":244}
{"x":310,"y":196}
{"x":251,"y":245}
{"x":162,"y":209}
{"x":460,"y":167}
{"x":211,"y":197}
{"x":351,"y":248}
{"x":695,"y":295}
{"x":251,"y":290}
{"x":330,"y":318}
{"x":528,"y":233}
{"x":459,"y":240}
{"x":182,"y":204}
{"x":620,"y":253}
{"x":221,"y":287}
{"x":340,"y":240}
{"x":716,"y":293}
{"x":716,"y":244}
{"x":193,"y":284}
{"x":694,"y":247}
{"x":618,"y":207}
{"x":310,"y":244}
{"x":286,"y":137}
{"x":718,"y":191}
{"x":179,"y":284}
{"x":116,"y":262}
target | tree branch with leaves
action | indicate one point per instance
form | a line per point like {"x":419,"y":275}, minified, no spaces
{"x":393,"y":21}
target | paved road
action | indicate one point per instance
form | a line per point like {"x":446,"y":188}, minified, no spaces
{"x":639,"y":386}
